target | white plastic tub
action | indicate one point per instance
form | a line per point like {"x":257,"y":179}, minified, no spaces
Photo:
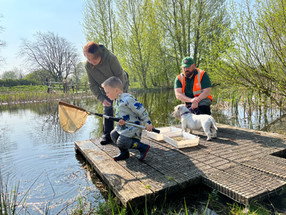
{"x":181,"y":139}
{"x":163,"y":130}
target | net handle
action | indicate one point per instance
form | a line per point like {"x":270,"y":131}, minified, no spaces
{"x":72,"y":106}
{"x":107,"y":117}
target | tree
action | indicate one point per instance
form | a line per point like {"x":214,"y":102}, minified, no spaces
{"x":51,"y":53}
{"x":193,"y":26}
{"x":38,"y":76}
{"x":13,"y":74}
{"x":257,"y":61}
{"x":100,"y":22}
{"x":79,"y":72}
{"x":142,"y":39}
{"x":9,"y":75}
{"x":150,"y":37}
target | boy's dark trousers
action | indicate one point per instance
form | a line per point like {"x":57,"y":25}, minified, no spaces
{"x":126,"y":143}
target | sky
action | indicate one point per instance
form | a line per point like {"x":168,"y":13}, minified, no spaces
{"x":22,"y":19}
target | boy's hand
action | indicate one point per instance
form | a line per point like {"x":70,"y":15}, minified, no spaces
{"x":149,"y":127}
{"x":121,"y":122}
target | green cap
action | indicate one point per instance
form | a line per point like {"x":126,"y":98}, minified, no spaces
{"x":187,"y":62}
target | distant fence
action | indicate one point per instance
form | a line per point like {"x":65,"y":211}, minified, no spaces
{"x":36,"y":93}
{"x":53,"y":87}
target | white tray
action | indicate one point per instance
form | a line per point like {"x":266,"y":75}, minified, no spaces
{"x":163,"y":130}
{"x":181,"y":139}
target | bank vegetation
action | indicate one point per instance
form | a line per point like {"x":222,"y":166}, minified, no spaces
{"x":241,"y":44}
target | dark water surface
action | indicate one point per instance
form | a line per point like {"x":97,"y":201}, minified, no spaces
{"x":39,"y":157}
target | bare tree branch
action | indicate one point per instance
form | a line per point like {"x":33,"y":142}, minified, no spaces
{"x":51,"y":53}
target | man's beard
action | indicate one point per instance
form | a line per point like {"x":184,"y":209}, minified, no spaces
{"x":189,"y":74}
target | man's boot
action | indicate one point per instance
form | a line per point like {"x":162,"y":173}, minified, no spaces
{"x":105,"y":140}
{"x":143,"y":149}
{"x":123,"y":155}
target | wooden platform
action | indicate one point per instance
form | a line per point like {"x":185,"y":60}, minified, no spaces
{"x":242,"y":164}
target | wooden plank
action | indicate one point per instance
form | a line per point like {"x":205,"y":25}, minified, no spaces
{"x":159,"y":171}
{"x":238,"y":164}
{"x":270,"y":164}
{"x":122,"y":183}
{"x":243,"y":184}
{"x":155,"y":180}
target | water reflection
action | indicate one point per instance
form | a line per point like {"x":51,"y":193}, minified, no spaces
{"x":36,"y":152}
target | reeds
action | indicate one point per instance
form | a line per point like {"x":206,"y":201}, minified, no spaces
{"x":9,"y":198}
{"x":9,"y":205}
{"x":9,"y":202}
{"x":31,"y":94}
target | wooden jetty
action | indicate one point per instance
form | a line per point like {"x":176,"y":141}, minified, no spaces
{"x":242,"y":164}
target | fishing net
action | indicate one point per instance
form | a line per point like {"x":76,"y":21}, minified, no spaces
{"x":71,"y":117}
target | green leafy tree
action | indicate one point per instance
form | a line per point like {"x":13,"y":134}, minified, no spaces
{"x":150,"y":37}
{"x":193,"y":27}
{"x":138,"y":27}
{"x":9,"y":75}
{"x":38,"y":76}
{"x":15,"y":73}
{"x":100,"y":22}
{"x":257,"y":61}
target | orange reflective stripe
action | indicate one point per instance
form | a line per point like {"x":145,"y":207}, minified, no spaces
{"x":197,"y":87}
{"x":184,"y":83}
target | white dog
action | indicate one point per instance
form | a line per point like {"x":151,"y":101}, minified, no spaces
{"x":195,"y":122}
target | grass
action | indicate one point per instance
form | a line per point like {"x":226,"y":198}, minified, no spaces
{"x":8,"y":200}
{"x":254,"y":209}
{"x":23,"y":94}
{"x":202,"y":201}
{"x":112,"y":207}
{"x":9,"y":203}
{"x":175,"y":206}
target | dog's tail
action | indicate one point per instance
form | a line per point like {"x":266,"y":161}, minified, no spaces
{"x":213,"y":122}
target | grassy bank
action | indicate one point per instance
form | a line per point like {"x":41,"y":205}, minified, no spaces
{"x":194,"y":201}
{"x":10,"y":204}
{"x":28,"y":94}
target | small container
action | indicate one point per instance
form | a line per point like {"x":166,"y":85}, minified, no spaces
{"x":181,"y":139}
{"x":163,"y":130}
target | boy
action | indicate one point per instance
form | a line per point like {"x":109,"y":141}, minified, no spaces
{"x":127,"y":108}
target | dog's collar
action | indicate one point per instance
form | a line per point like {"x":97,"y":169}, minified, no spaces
{"x":185,"y":113}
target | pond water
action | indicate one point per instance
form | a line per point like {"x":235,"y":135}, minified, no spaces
{"x":38,"y":157}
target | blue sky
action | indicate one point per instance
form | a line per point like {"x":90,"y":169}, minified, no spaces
{"x":21,"y":19}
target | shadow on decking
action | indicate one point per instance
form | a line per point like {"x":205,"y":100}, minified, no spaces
{"x":254,"y":136}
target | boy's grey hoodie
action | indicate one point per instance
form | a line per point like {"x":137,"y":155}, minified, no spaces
{"x":128,"y":108}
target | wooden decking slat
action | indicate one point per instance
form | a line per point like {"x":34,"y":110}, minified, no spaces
{"x":123,"y":184}
{"x":239,"y":164}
